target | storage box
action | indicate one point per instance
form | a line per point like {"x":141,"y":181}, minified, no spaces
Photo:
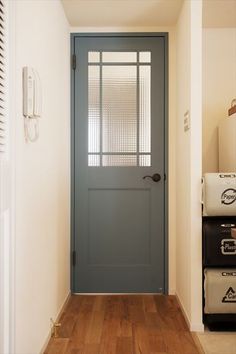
{"x":219,"y":246}
{"x":220,"y":290}
{"x":219,"y":194}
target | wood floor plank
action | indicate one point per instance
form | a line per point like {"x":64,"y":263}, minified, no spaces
{"x":57,"y":346}
{"x":82,"y":325}
{"x":73,"y":305}
{"x":173,"y":342}
{"x":123,"y":324}
{"x":156,"y":341}
{"x":124,"y":345}
{"x":136,"y":310}
{"x":99,"y":303}
{"x":153,"y":319}
{"x":179,"y":342}
{"x":141,"y":339}
{"x":91,"y":349}
{"x":111,"y":328}
{"x":149,"y":304}
{"x":94,"y":332}
{"x":171,"y":317}
{"x":75,"y":350}
{"x":68,"y":323}
{"x":125,"y":328}
{"x":188,"y":344}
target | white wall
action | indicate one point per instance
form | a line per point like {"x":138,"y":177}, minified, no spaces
{"x":188,"y":163}
{"x":183,"y":215}
{"x":196,"y":166}
{"x":171,"y":127}
{"x":219,"y":87}
{"x":42,"y":175}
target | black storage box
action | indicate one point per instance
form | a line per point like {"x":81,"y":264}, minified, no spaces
{"x":219,"y":248}
{"x":220,"y":322}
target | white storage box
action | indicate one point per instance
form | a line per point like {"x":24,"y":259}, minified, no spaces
{"x":220,"y":290}
{"x":219,"y":194}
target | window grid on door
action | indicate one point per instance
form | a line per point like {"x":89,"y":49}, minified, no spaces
{"x":119,"y":108}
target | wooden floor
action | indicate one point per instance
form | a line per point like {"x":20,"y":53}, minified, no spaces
{"x":122,"y":324}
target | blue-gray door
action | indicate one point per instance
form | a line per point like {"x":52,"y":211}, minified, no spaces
{"x":119,"y":111}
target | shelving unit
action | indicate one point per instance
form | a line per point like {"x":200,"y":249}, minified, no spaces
{"x":219,"y":253}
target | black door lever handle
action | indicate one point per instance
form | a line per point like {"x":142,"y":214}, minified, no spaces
{"x":156,"y":177}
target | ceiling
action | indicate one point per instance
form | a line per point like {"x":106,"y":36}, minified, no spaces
{"x":122,"y":13}
{"x":144,"y":13}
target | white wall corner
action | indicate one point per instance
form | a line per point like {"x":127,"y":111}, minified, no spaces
{"x":172,"y":291}
{"x":196,"y":163}
{"x":193,"y":326}
{"x":184,"y":312}
{"x":197,"y":327}
{"x":189,"y":160}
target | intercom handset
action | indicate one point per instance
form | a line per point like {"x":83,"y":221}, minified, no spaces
{"x":32,"y":101}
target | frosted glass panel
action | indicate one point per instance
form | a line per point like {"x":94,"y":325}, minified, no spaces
{"x":145,"y":160}
{"x":119,"y":57}
{"x":145,"y":108}
{"x":93,"y":57}
{"x":94,"y":160}
{"x":145,"y":57}
{"x":119,"y":107}
{"x":93,"y":109}
{"x":119,"y":160}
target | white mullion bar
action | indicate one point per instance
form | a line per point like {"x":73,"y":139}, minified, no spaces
{"x":120,"y":153}
{"x":119,"y":64}
{"x":101,"y":110}
{"x":137,"y":105}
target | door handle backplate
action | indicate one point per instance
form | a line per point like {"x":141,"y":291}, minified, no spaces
{"x":156,"y":177}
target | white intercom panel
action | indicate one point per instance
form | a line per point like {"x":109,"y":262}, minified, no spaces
{"x":32,"y":101}
{"x":32,"y":93}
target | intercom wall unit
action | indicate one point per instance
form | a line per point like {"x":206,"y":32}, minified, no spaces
{"x":32,"y":93}
{"x":32,"y":101}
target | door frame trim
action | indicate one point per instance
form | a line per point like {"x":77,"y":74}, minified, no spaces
{"x":165,"y":36}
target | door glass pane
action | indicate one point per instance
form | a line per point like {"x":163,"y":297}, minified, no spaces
{"x":94,"y":109}
{"x":119,"y":57}
{"x":94,"y":160}
{"x":145,"y":57}
{"x":144,"y":108}
{"x":119,"y":109}
{"x":145,"y":160}
{"x":119,"y":160}
{"x":93,"y":57}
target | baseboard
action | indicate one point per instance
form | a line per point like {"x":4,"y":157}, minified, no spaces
{"x":183,"y":310}
{"x":65,"y":302}
{"x":197,"y":327}
{"x":193,"y":327}
{"x":171,"y":292}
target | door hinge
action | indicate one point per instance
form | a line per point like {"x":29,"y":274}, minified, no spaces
{"x":73,"y":258}
{"x":73,"y":61}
